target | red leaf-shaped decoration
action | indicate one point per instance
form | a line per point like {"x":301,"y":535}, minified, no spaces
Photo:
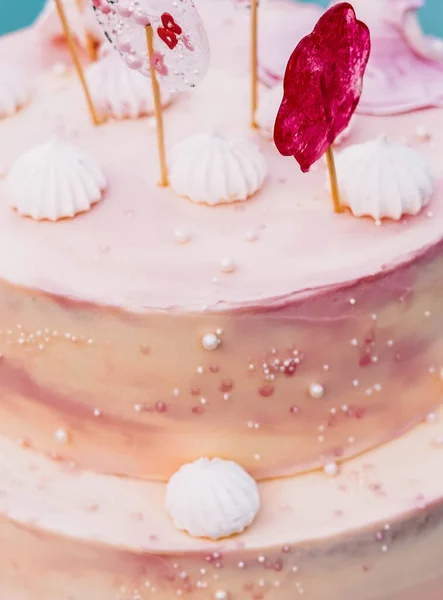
{"x":322,"y":85}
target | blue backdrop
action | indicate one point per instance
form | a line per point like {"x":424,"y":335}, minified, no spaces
{"x":17,"y":14}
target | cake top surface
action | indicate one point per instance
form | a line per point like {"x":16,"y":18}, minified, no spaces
{"x":124,"y":252}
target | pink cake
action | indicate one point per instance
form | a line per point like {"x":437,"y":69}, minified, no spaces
{"x":301,"y":347}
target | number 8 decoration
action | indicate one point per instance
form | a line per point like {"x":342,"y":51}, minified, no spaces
{"x":181,"y":49}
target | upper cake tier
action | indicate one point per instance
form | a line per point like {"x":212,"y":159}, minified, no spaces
{"x":151,"y":331}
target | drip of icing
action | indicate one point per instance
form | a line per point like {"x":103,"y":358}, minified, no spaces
{"x":213,"y":169}
{"x":120,"y":92}
{"x":14,"y":90}
{"x":381,"y":179}
{"x":212,"y":498}
{"x":53,"y":181}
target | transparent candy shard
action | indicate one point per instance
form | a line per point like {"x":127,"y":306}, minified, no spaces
{"x":181,"y":49}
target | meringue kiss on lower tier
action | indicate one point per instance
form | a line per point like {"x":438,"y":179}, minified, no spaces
{"x":212,"y":498}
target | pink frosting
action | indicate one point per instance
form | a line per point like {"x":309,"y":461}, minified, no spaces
{"x":281,"y":27}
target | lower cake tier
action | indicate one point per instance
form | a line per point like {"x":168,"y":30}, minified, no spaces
{"x":374,"y":532}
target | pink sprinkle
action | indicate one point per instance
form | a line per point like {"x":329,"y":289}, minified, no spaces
{"x":133,"y":61}
{"x":161,"y":407}
{"x":290,"y":367}
{"x":365,"y":360}
{"x":266,"y":391}
{"x":141,"y":18}
{"x":226,"y":385}
{"x":123,"y":44}
{"x":124,"y":9}
{"x":158,"y":62}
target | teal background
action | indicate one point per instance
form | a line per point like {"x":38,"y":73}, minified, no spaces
{"x":19,"y":13}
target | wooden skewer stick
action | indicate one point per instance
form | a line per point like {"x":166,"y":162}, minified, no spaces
{"x":254,"y":61}
{"x":335,"y":191}
{"x":76,"y":61}
{"x":91,"y":49}
{"x":158,"y":111}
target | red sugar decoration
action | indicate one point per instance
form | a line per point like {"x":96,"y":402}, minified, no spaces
{"x":322,"y":85}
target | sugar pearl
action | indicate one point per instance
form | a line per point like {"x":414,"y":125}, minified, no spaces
{"x":227,"y":265}
{"x":316,"y":390}
{"x":181,"y":236}
{"x":331,"y":469}
{"x":221,"y":595}
{"x":61,"y":436}
{"x":59,"y":69}
{"x":251,"y":235}
{"x":210,"y":341}
{"x":422,"y":135}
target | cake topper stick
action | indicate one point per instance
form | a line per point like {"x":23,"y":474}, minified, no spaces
{"x":90,"y":44}
{"x":254,"y":61}
{"x":76,"y":61}
{"x":322,"y":87}
{"x":158,"y":111}
{"x":178,"y":51}
{"x":335,"y":191}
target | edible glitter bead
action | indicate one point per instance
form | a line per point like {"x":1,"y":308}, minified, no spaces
{"x":61,"y":436}
{"x":316,"y":390}
{"x":181,"y":236}
{"x":331,"y":469}
{"x":221,"y":595}
{"x":422,"y":134}
{"x":251,"y":235}
{"x":210,"y":341}
{"x":227,"y":265}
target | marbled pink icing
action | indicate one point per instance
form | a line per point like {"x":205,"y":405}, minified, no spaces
{"x":91,"y":537}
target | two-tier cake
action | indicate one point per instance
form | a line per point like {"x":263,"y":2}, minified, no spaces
{"x":220,"y":389}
